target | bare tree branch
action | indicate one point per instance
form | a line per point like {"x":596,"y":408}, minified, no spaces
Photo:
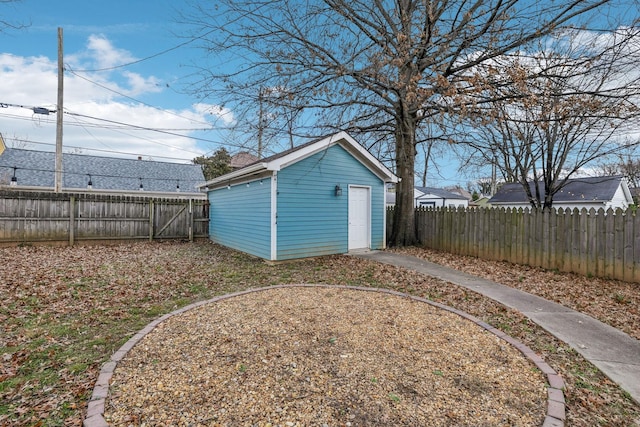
{"x":384,"y":69}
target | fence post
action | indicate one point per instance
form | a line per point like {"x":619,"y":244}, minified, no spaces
{"x":151,"y":215}
{"x":72,"y":220}
{"x":191,"y":220}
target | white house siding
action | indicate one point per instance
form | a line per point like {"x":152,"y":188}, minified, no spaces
{"x":619,"y":200}
{"x":438,"y":202}
{"x":564,"y":206}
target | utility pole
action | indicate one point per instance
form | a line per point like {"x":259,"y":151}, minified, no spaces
{"x":58,"y":173}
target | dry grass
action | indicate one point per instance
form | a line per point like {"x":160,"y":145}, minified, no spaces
{"x":64,"y":311}
{"x":613,"y":302}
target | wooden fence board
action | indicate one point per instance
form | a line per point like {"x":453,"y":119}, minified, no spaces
{"x":600,"y":243}
{"x":636,"y":247}
{"x":618,"y":263}
{"x":41,"y":216}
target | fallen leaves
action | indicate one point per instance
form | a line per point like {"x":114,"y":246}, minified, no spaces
{"x":611,"y":301}
{"x":65,"y":310}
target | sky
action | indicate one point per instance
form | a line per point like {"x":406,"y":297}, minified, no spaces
{"x":109,"y":110}
{"x":126,"y":70}
{"x":149,"y":93}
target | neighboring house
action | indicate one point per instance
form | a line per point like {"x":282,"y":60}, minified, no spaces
{"x":437,"y":197}
{"x":34,"y":170}
{"x":635,"y":193}
{"x":242,"y":159}
{"x":597,"y":192}
{"x":459,"y":191}
{"x":431,"y":197}
{"x":481,"y":202}
{"x":391,"y":198}
{"x":324,"y":197}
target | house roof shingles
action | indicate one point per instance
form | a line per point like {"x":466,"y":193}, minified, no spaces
{"x":242,"y":159}
{"x":577,"y":190}
{"x":36,"y":169}
{"x":263,"y":164}
{"x":439,"y":192}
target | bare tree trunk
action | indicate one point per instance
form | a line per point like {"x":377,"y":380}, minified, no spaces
{"x":404,"y":229}
{"x":371,"y":66}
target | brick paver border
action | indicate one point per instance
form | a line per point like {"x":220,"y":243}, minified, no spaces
{"x":555,"y":416}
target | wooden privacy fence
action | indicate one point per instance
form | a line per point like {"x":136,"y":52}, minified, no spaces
{"x":70,"y":217}
{"x":589,"y":242}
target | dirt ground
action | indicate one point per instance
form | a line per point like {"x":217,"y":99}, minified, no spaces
{"x":321,"y":356}
{"x":65,"y":310}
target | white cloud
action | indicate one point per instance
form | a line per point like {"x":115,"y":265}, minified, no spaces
{"x":219,"y":112}
{"x":32,"y":82}
{"x":107,"y":61}
{"x":140,"y":85}
{"x":105,"y":55}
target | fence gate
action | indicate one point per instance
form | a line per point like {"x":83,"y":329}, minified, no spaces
{"x":73,"y":217}
{"x":181,"y":219}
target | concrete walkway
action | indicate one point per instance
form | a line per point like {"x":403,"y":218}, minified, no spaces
{"x":615,"y":353}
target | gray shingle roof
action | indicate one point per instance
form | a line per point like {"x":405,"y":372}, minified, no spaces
{"x":36,"y":168}
{"x":441,"y":193}
{"x":242,"y":159}
{"x":297,"y":153}
{"x":576,"y":190}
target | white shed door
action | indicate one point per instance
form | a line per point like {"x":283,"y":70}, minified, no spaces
{"x":359,"y":218}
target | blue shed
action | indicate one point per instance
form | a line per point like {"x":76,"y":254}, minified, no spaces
{"x":324,"y":197}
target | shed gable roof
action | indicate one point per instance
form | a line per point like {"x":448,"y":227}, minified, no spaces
{"x":36,"y":169}
{"x":296,"y":154}
{"x":577,"y":190}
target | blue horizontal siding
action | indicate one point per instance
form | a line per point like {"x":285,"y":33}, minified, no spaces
{"x":312,"y":221}
{"x":378,"y":208}
{"x":240,"y":218}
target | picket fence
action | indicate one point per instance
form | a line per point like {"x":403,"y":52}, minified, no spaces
{"x":27,"y":217}
{"x":588,"y":242}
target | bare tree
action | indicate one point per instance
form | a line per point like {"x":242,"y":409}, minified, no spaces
{"x":562,"y":110}
{"x":630,"y":168}
{"x":627,"y":163}
{"x":5,"y":24}
{"x":378,"y":68}
{"x":434,"y":142}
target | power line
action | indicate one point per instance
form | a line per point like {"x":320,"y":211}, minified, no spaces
{"x":155,"y":55}
{"x":36,"y":110}
{"x":139,"y":127}
{"x":94,"y":149}
{"x":95,"y":125}
{"x":156,"y":130}
{"x":128,"y":97}
{"x":139,"y":137}
{"x":18,"y":117}
{"x":89,"y":133}
{"x":123,"y":126}
{"x":135,"y":127}
{"x":145,"y":128}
